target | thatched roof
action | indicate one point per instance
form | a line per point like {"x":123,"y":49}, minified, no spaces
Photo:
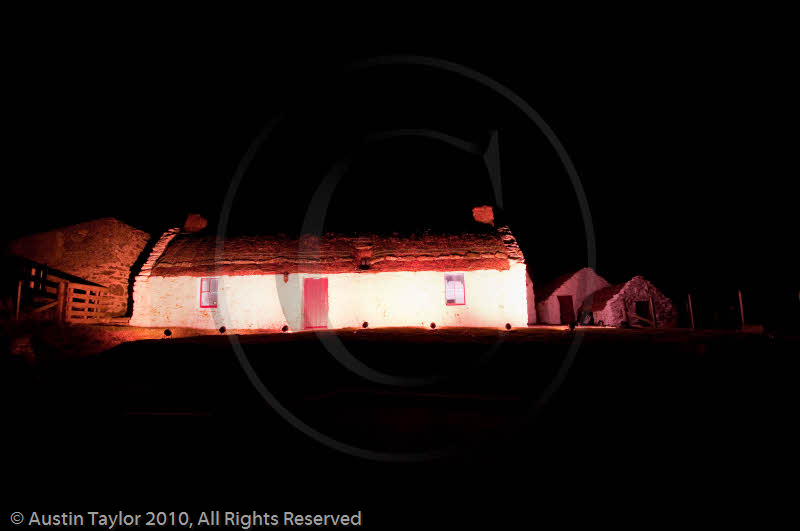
{"x":196,"y":255}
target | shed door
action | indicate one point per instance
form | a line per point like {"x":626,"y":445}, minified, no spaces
{"x":315,"y":303}
{"x":567,"y":309}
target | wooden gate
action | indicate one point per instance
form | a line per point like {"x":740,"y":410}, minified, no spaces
{"x":85,"y":303}
{"x":315,"y":303}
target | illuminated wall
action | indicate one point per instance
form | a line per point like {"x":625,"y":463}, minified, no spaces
{"x":406,"y":298}
{"x":529,"y":293}
{"x":579,"y":286}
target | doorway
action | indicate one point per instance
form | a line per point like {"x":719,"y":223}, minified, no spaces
{"x":567,"y":309}
{"x":642,"y":309}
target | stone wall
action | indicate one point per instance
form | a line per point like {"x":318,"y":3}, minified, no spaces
{"x":102,"y":251}
{"x":142,"y":309}
{"x":637,"y":289}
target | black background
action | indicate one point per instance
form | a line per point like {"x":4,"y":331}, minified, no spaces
{"x":681,"y":129}
{"x":680,"y":135}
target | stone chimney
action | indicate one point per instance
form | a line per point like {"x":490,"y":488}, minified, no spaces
{"x":194,"y":223}
{"x":483,"y":214}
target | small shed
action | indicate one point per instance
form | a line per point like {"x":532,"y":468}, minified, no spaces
{"x":630,"y":302}
{"x":559,"y":301}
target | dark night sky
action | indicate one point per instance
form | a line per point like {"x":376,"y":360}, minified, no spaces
{"x":681,"y":140}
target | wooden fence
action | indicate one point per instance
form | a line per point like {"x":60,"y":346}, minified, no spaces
{"x":84,"y":303}
{"x":49,"y":293}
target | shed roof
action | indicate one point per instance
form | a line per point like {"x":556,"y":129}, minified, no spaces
{"x":14,"y":261}
{"x":549,"y":288}
{"x":597,"y":301}
{"x":600,"y":298}
{"x":199,"y":255}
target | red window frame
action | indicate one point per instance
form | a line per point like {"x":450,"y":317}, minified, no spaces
{"x":207,"y":282}
{"x":463,"y":289}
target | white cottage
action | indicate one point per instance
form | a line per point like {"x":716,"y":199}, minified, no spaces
{"x":334,"y":281}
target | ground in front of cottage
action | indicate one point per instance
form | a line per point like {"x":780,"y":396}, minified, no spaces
{"x":391,"y":407}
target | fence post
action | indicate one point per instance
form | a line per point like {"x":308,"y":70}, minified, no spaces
{"x":741,"y":307}
{"x":62,"y":301}
{"x":19,"y":297}
{"x":653,"y":312}
{"x":68,"y":302}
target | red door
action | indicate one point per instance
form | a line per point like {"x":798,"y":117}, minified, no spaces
{"x":315,"y":303}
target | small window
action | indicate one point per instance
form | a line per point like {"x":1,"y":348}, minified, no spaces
{"x":208,"y":292}
{"x":454,"y":288}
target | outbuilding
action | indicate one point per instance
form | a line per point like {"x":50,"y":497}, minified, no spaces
{"x":104,"y":252}
{"x":559,"y":301}
{"x":630,"y":302}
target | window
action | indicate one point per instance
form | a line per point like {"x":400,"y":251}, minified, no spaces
{"x":454,"y":288}
{"x":208,"y":292}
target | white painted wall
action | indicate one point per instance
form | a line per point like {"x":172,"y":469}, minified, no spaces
{"x":493,"y":298}
{"x":243,"y":302}
{"x":531,"y":299}
{"x":581,"y":284}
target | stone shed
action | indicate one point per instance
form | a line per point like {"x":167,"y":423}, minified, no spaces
{"x":104,"y":251}
{"x":612,"y":305}
{"x":559,"y":301}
